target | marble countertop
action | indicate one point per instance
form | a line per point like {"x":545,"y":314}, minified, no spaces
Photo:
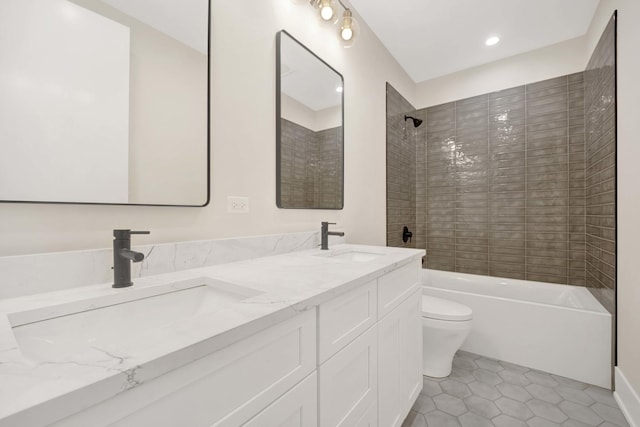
{"x":285,"y":285}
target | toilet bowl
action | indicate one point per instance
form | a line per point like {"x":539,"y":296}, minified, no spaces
{"x":445,"y":326}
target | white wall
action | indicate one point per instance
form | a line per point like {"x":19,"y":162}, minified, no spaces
{"x":329,"y":118}
{"x":297,"y":112}
{"x":557,"y":60}
{"x":628,"y":190}
{"x":243,"y":144}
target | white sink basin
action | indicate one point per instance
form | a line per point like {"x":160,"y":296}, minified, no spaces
{"x":122,"y":322}
{"x":351,"y":256}
{"x":357,"y":256}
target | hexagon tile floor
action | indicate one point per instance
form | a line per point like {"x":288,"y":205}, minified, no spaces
{"x":483,"y":392}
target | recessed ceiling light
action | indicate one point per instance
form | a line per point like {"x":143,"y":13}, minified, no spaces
{"x":492,"y":41}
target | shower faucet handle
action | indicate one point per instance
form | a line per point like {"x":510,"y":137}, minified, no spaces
{"x":406,"y":234}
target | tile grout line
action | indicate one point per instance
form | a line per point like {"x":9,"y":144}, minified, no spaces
{"x":526,"y":184}
{"x":488,"y":186}
{"x":568,"y":235}
{"x":586,"y":162}
{"x":455,"y":186}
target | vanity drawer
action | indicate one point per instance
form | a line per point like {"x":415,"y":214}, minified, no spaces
{"x":343,"y":318}
{"x":396,"y":286}
{"x":226,"y":388}
{"x":297,"y":408}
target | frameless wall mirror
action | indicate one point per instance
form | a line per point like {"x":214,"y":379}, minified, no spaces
{"x":104,"y":101}
{"x":309,"y":123}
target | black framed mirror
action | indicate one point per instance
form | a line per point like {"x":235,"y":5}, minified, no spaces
{"x":105,"y":102}
{"x":309,"y":129}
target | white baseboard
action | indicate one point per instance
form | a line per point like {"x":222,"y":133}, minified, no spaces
{"x":627,"y":399}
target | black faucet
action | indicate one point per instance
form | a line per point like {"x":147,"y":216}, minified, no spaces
{"x":325,"y":233}
{"x":122,"y":255}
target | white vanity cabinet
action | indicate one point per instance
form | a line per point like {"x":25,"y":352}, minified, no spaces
{"x":370,"y":352}
{"x":224,"y":389}
{"x":352,"y":361}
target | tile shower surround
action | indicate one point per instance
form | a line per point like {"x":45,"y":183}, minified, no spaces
{"x":311,"y":167}
{"x":403,"y":207}
{"x":600,"y":116}
{"x":503,"y":190}
{"x":505,"y":183}
{"x":513,"y":183}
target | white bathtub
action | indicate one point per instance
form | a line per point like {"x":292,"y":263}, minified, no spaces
{"x":553,"y":328}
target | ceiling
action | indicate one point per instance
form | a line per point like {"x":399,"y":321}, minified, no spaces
{"x":307,"y":79}
{"x":432,"y":38}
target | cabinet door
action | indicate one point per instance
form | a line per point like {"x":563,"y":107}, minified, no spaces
{"x":297,"y":408}
{"x":370,"y":418}
{"x":344,"y":318}
{"x":399,"y":361}
{"x":348,"y":382}
{"x":396,"y":286}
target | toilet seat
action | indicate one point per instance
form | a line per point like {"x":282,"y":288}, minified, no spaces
{"x":442,"y":309}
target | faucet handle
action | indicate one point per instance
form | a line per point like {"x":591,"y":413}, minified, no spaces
{"x":126,"y":234}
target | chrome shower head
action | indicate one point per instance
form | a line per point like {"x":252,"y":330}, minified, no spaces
{"x":416,"y":122}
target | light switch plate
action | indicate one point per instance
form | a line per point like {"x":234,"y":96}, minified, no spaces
{"x":237,"y":204}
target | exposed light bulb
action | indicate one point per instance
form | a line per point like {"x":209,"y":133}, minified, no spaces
{"x":347,"y":27}
{"x":492,"y":41}
{"x":347,"y":33}
{"x":326,"y":10}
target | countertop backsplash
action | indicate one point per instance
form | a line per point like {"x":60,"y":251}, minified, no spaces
{"x":32,"y":274}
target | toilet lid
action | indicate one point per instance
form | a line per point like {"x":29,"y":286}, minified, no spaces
{"x":442,"y":309}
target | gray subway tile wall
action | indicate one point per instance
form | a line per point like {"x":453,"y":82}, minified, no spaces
{"x":402,"y":149}
{"x":600,"y":115}
{"x":577,"y":184}
{"x":310,"y":167}
{"x":420,"y":231}
{"x":547,"y":182}
{"x":298,"y":151}
{"x":518,"y":183}
{"x":507,"y":180}
{"x":471,"y":155}
{"x":505,"y":183}
{"x":440,"y":183}
{"x":328,"y":188}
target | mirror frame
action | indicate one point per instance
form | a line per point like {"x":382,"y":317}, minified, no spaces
{"x":208,"y":194}
{"x":279,"y":126}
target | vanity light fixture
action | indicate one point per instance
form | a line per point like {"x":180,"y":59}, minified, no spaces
{"x":327,"y":9}
{"x":493,"y":40}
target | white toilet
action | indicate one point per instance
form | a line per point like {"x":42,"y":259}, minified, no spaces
{"x":445,"y":326}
